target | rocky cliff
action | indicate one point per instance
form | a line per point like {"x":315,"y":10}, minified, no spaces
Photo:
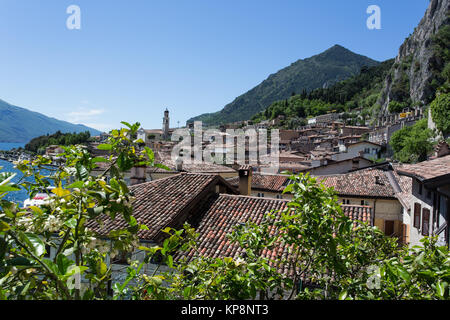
{"x":412,"y":80}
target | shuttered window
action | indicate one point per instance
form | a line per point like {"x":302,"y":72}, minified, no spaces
{"x":417,"y":209}
{"x":426,"y":222}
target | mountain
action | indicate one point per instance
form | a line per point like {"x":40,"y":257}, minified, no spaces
{"x":355,"y":97}
{"x":319,"y":71}
{"x":418,"y":70}
{"x":21,"y":125}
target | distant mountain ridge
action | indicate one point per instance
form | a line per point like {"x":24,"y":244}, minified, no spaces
{"x":21,"y":125}
{"x":322,"y":70}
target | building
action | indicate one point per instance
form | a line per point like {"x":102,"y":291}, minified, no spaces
{"x":328,"y":166}
{"x":430,"y":197}
{"x":365,"y":149}
{"x":382,"y":189}
{"x":265,"y":185}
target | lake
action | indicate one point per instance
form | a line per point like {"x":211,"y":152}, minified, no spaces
{"x":5,"y":146}
{"x":18,"y":196}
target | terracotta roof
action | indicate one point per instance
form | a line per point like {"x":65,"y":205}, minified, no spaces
{"x":225,"y":212}
{"x":370,"y":182}
{"x":359,"y":213}
{"x":204,"y":167}
{"x":427,"y":170}
{"x":159,"y":203}
{"x":275,"y":183}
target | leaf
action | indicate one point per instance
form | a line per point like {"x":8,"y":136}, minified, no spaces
{"x":51,"y":265}
{"x":403,"y":273}
{"x":441,"y":288}
{"x":81,"y":171}
{"x":8,"y":189}
{"x":150,"y":154}
{"x":161,"y":166}
{"x":104,"y":146}
{"x":99,"y":159}
{"x":77,"y":184}
{"x":95,"y":212}
{"x":126,"y":124}
{"x":36,"y":243}
{"x":101,"y":269}
{"x":37,"y":210}
{"x":4,"y":226}
{"x":63,"y":264}
{"x":170,"y":261}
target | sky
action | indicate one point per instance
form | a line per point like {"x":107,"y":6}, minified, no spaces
{"x":132,"y":59}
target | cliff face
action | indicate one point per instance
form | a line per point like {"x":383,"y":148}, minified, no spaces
{"x":411,"y":77}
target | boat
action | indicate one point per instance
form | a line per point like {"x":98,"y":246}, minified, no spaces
{"x":41,"y":198}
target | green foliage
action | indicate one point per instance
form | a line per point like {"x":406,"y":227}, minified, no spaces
{"x":439,"y":65}
{"x":330,"y":257}
{"x":397,"y":107}
{"x":360,"y":91}
{"x":440,"y":112}
{"x":329,"y":67}
{"x":58,"y":138}
{"x":65,"y":222}
{"x":412,"y":144}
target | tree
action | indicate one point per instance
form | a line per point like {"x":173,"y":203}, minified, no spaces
{"x":440,"y":112}
{"x":412,"y":144}
{"x":25,"y":270}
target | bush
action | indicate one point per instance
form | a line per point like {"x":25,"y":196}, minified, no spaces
{"x":412,"y":144}
{"x":440,"y":112}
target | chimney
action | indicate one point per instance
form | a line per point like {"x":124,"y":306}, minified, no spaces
{"x":245,"y":180}
{"x":179,"y":164}
{"x":138,"y":175}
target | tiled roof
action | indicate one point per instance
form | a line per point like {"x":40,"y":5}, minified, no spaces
{"x":428,"y":169}
{"x":222,"y":215}
{"x":370,"y":182}
{"x":159,"y":203}
{"x":204,"y":167}
{"x":359,"y":213}
{"x":225,"y":212}
{"x":275,"y":183}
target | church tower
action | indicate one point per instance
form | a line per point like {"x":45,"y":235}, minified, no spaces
{"x":166,"y":125}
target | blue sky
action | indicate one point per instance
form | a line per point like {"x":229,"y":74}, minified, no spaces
{"x":132,"y":59}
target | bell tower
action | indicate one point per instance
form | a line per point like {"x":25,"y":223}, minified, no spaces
{"x":166,"y":125}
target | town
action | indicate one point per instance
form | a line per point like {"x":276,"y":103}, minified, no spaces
{"x":329,"y":180}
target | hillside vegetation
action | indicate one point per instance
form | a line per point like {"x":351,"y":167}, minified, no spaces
{"x":38,"y":145}
{"x":359,"y":93}
{"x":323,"y":70}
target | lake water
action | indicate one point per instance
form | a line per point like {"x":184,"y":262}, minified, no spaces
{"x":18,"y":196}
{"x":4,"y":146}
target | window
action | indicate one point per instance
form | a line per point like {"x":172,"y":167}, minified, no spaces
{"x":428,"y":194}
{"x":426,"y":222}
{"x":279,"y":196}
{"x":417,"y":209}
{"x":389,"y":228}
{"x":364,"y":203}
{"x":420,"y":188}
